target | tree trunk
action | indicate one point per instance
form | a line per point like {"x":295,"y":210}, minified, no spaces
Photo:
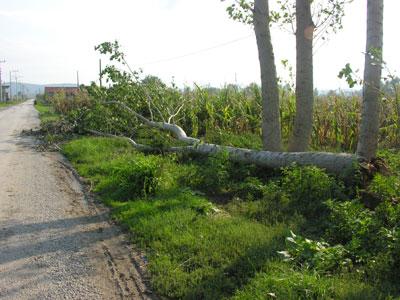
{"x":304,"y":77}
{"x":369,"y":128}
{"x":269,"y":85}
{"x":335,"y":163}
{"x":341,"y":164}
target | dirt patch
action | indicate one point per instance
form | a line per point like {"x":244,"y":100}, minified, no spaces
{"x":55,"y":241}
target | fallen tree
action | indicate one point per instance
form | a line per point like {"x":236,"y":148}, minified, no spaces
{"x":335,"y":163}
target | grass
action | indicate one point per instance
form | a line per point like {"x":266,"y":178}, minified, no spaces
{"x":46,"y":113}
{"x":214,"y":229}
{"x":9,"y":103}
{"x":197,"y":249}
{"x":282,"y":282}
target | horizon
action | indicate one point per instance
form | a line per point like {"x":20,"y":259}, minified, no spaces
{"x":221,"y":86}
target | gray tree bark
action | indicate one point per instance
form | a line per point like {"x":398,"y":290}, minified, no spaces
{"x":304,"y":78}
{"x":271,"y":127}
{"x":369,"y":127}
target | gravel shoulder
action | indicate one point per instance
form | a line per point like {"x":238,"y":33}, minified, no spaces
{"x":55,"y":243}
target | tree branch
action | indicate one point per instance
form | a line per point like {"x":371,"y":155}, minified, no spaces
{"x":176,"y":130}
{"x":140,"y":147}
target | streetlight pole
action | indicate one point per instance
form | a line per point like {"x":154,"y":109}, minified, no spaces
{"x":1,"y":82}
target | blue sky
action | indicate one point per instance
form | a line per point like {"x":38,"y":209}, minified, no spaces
{"x":48,"y":40}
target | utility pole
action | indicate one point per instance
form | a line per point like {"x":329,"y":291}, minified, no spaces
{"x":13,"y":71}
{"x":21,"y":87}
{"x":16,"y":86}
{"x":1,"y":82}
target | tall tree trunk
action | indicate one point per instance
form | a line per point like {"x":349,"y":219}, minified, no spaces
{"x":304,"y":77}
{"x":269,"y":85}
{"x":369,"y":128}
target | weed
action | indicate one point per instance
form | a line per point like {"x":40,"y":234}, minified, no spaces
{"x":280,"y":281}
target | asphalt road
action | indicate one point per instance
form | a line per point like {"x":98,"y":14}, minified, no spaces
{"x":54,"y":242}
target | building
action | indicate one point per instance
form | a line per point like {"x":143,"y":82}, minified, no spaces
{"x":69,"y":91}
{"x":4,"y":93}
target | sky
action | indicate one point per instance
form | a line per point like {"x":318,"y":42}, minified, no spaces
{"x":185,"y":41}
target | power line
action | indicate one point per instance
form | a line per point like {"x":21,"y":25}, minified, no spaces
{"x":198,"y":51}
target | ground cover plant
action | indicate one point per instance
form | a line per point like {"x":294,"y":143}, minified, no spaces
{"x":46,"y":112}
{"x":9,"y":103}
{"x":214,"y":228}
{"x":200,"y":246}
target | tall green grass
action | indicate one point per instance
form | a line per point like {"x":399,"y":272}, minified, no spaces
{"x":198,"y":247}
{"x":46,"y":113}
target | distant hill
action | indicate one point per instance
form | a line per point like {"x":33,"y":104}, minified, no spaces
{"x":30,"y":90}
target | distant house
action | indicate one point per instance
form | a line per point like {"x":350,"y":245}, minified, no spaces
{"x":5,"y":93}
{"x":69,"y":91}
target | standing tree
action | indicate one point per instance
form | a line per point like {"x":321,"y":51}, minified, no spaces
{"x":321,"y":17}
{"x":369,"y":129}
{"x":269,"y":84}
{"x":304,"y":77}
{"x":313,"y":18}
{"x":257,"y":13}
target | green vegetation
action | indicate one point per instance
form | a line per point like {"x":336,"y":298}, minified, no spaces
{"x":283,"y":282}
{"x":46,"y":112}
{"x":213,"y":229}
{"x":230,"y":115}
{"x":9,"y":103}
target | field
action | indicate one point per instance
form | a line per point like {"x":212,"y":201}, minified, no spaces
{"x":216,"y":229}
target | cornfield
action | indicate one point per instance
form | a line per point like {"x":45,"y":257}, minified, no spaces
{"x":234,"y":111}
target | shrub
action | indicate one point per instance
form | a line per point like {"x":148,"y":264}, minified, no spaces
{"x":385,"y":187}
{"x":132,"y":178}
{"x":317,"y":255}
{"x":371,"y":237}
{"x":208,"y":174}
{"x":345,"y":219}
{"x":308,"y":188}
{"x":276,"y":201}
{"x":66,"y":105}
{"x":250,"y":189}
{"x":114,"y":168}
